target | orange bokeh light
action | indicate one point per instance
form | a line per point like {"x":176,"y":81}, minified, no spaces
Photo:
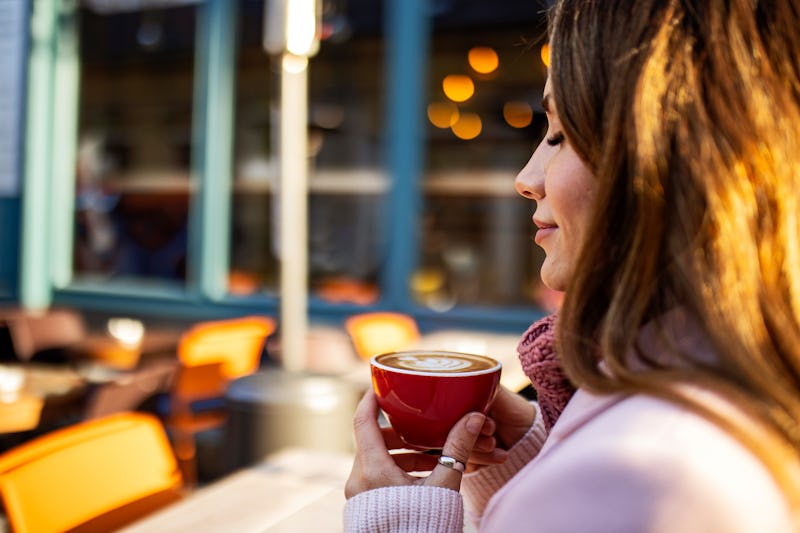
{"x":483,"y":59}
{"x":458,"y":87}
{"x":545,"y":53}
{"x":518,"y":114}
{"x":468,"y":126}
{"x":442,"y":114}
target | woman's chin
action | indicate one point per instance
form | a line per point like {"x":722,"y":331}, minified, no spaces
{"x":553,"y":277}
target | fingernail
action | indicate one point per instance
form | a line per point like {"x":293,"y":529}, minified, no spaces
{"x":475,"y":423}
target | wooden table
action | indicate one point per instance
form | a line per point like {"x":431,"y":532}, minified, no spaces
{"x":45,"y":388}
{"x":105,"y":350}
{"x":291,"y":491}
{"x":99,"y":381}
{"x":22,"y":413}
{"x":122,"y":376}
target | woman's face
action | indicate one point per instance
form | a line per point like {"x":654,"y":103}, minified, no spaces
{"x":564,"y":190}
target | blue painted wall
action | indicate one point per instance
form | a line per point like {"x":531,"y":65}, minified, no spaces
{"x":9,"y":248}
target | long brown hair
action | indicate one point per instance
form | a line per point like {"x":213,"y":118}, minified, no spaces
{"x":688,"y":112}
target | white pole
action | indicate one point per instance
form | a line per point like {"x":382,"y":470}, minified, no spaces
{"x":294,"y":211}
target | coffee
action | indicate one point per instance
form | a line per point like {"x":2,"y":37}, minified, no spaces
{"x":436,"y":362}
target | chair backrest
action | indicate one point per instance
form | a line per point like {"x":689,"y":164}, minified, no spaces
{"x":382,"y":331}
{"x":93,"y":476}
{"x":130,"y":393}
{"x":237,"y":343}
{"x":32,"y":332}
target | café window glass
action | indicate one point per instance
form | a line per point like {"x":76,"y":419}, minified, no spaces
{"x":134,"y":145}
{"x":484,"y":119}
{"x":347,"y":180}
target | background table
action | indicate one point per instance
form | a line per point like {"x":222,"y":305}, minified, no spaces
{"x":292,"y":491}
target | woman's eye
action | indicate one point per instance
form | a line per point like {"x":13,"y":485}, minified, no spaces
{"x":556,"y":139}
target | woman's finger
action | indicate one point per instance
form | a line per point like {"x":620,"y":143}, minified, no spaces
{"x":456,"y":452}
{"x":495,"y":457}
{"x":373,"y":467}
{"x":484,"y":444}
{"x":368,"y":434}
{"x":489,"y":427}
{"x":415,"y":461}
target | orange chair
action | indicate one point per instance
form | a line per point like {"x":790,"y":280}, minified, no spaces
{"x":93,"y":476}
{"x":211,"y":354}
{"x":381,"y":331}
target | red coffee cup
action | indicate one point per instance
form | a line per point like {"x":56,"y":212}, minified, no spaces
{"x":425,"y":392}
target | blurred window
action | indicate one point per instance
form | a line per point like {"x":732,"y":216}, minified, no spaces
{"x":133,"y":180}
{"x":136,"y":155}
{"x":483,"y":121}
{"x":347,"y":180}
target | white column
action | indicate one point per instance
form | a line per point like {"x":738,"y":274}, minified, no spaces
{"x":294,"y":211}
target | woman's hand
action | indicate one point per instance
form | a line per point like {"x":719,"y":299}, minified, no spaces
{"x":510,"y":417}
{"x":374,"y":467}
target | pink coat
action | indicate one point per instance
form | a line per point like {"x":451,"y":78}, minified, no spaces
{"x":615,"y":464}
{"x":610,"y":464}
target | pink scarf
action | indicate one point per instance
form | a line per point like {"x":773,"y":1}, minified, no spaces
{"x":537,"y":353}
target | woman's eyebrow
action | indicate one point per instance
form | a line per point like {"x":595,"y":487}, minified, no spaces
{"x":546,"y":103}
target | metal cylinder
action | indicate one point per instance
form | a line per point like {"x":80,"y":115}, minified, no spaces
{"x":274,"y":409}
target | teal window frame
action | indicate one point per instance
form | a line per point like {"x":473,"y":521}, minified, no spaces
{"x":47,"y":203}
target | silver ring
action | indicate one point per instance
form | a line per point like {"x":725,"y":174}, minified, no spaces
{"x":451,"y":463}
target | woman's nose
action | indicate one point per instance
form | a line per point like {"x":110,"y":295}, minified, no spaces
{"x":530,"y":180}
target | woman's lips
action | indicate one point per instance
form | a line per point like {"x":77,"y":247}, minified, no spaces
{"x":543,"y":233}
{"x":545,"y":229}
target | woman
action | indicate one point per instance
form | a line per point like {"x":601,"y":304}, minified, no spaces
{"x":667,"y":192}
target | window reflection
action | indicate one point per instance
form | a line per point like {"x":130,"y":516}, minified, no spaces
{"x":134,"y":151}
{"x":347,"y":181}
{"x":482,"y":125}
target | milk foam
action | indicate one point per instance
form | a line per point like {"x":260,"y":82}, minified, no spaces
{"x":434,"y":362}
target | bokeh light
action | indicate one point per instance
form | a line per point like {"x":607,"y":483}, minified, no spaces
{"x":545,"y":53}
{"x":328,"y":116}
{"x":468,"y":126}
{"x":518,"y":114}
{"x":483,"y":59}
{"x":442,"y":114}
{"x":427,"y":280}
{"x":458,"y":87}
{"x":128,"y":331}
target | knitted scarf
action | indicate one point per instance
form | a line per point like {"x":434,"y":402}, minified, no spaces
{"x":537,"y":353}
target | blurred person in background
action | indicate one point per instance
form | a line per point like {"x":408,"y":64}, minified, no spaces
{"x":666,"y":199}
{"x":96,"y":231}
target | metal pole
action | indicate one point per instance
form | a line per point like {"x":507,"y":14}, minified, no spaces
{"x":294,"y":210}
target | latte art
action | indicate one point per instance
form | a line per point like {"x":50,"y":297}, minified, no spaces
{"x":436,"y":362}
{"x":432,"y":364}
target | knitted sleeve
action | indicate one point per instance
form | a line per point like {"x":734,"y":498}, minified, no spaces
{"x":479,"y":486}
{"x":407,"y":509}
